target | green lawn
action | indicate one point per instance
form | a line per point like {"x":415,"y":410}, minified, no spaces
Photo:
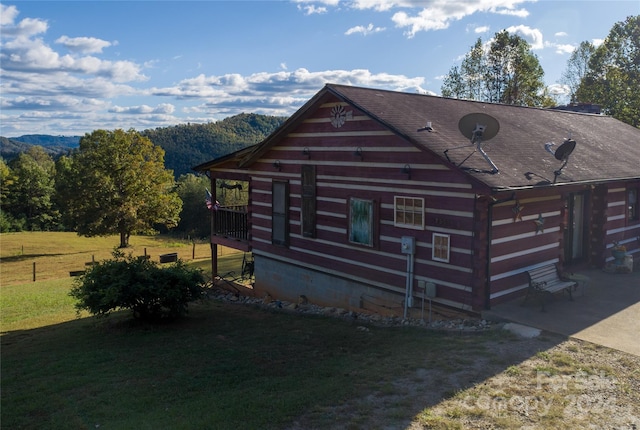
{"x":225,"y":366}
{"x":235,"y":366}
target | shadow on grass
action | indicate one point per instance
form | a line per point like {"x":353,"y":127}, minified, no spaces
{"x":23,"y":257}
{"x":236,"y":366}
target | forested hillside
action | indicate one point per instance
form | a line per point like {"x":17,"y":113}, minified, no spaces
{"x":185,"y":145}
{"x":188,"y":145}
{"x":46,"y":140}
{"x":10,"y":148}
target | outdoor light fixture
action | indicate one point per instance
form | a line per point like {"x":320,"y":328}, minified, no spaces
{"x":358,"y":152}
{"x":276,"y":165}
{"x":407,"y":169}
{"x":306,"y":152}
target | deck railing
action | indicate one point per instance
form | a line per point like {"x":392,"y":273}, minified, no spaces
{"x":231,"y":222}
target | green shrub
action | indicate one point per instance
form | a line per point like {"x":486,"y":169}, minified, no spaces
{"x":152,"y":292}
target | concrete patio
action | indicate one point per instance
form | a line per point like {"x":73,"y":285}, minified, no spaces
{"x":605,"y":312}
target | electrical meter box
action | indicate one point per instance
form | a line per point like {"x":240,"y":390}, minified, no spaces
{"x":408,"y":245}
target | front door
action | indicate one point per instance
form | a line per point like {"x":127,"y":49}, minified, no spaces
{"x":575,"y":249}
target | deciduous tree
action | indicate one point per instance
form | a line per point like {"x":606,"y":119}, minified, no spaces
{"x":507,"y":72}
{"x":30,"y":191}
{"x":116,"y":183}
{"x":195,"y":219}
{"x":577,"y":68}
{"x":613,"y":78}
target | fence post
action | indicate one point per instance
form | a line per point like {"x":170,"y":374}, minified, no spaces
{"x":193,"y":251}
{"x":34,"y":271}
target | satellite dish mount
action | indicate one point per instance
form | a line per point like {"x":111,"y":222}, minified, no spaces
{"x":478,"y":128}
{"x":561,"y":154}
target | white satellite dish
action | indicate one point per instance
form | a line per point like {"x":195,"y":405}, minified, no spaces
{"x":478,"y":125}
{"x":478,"y":128}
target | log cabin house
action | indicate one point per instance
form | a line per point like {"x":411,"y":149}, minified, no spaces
{"x":369,"y":199}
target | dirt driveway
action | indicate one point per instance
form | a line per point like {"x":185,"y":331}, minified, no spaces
{"x":606,"y":312}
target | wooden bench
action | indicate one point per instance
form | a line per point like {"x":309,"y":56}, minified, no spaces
{"x":546,"y":280}
{"x":169,"y":258}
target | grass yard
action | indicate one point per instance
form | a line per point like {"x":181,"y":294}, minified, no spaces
{"x":236,"y":366}
{"x":55,"y":254}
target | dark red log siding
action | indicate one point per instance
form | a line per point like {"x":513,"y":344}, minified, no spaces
{"x":519,"y":244}
{"x":617,"y":225}
{"x":516,"y":246}
{"x":376,"y":175}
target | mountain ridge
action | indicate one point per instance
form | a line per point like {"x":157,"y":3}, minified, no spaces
{"x":185,"y":145}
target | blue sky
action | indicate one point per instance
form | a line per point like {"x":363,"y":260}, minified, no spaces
{"x":68,"y":68}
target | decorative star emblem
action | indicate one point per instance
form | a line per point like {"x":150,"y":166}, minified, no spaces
{"x":539,"y":224}
{"x":517,"y":211}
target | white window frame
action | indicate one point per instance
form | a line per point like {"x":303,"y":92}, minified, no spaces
{"x":435,"y":246}
{"x":396,"y":210}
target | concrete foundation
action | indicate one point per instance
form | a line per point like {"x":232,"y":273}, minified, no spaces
{"x":283,"y":281}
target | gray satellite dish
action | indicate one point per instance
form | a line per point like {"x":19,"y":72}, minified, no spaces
{"x":564,"y":150}
{"x":478,"y":127}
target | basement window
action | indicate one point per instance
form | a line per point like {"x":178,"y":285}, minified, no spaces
{"x":409,"y":212}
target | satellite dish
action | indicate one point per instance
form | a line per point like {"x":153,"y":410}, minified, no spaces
{"x":564,"y":150}
{"x":478,"y":125}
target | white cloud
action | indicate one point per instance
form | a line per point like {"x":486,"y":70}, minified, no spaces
{"x":163,"y":108}
{"x":21,"y":52}
{"x":427,"y":15}
{"x":26,"y":28}
{"x":8,"y":14}
{"x":559,"y":90}
{"x":313,"y":10}
{"x":561,"y":34}
{"x":365,"y":31}
{"x":384,"y":5}
{"x":532,"y":35}
{"x":279,"y":93}
{"x":482,"y":29}
{"x":597,"y":42}
{"x":520,"y":13}
{"x":83,"y":45}
{"x":561,"y":48}
{"x":438,"y":15}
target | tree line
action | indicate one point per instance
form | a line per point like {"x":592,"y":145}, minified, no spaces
{"x":123,"y":182}
{"x":505,"y":70}
{"x":114,"y":183}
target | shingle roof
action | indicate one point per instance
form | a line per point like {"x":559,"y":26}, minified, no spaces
{"x":606,"y":149}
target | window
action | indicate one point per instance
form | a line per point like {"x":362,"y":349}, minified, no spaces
{"x":308,"y":212}
{"x":361,"y":221}
{"x":441,"y":247}
{"x":409,"y":212}
{"x":280,"y":213}
{"x":632,"y":204}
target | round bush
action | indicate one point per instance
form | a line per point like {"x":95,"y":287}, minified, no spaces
{"x":152,"y":292}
